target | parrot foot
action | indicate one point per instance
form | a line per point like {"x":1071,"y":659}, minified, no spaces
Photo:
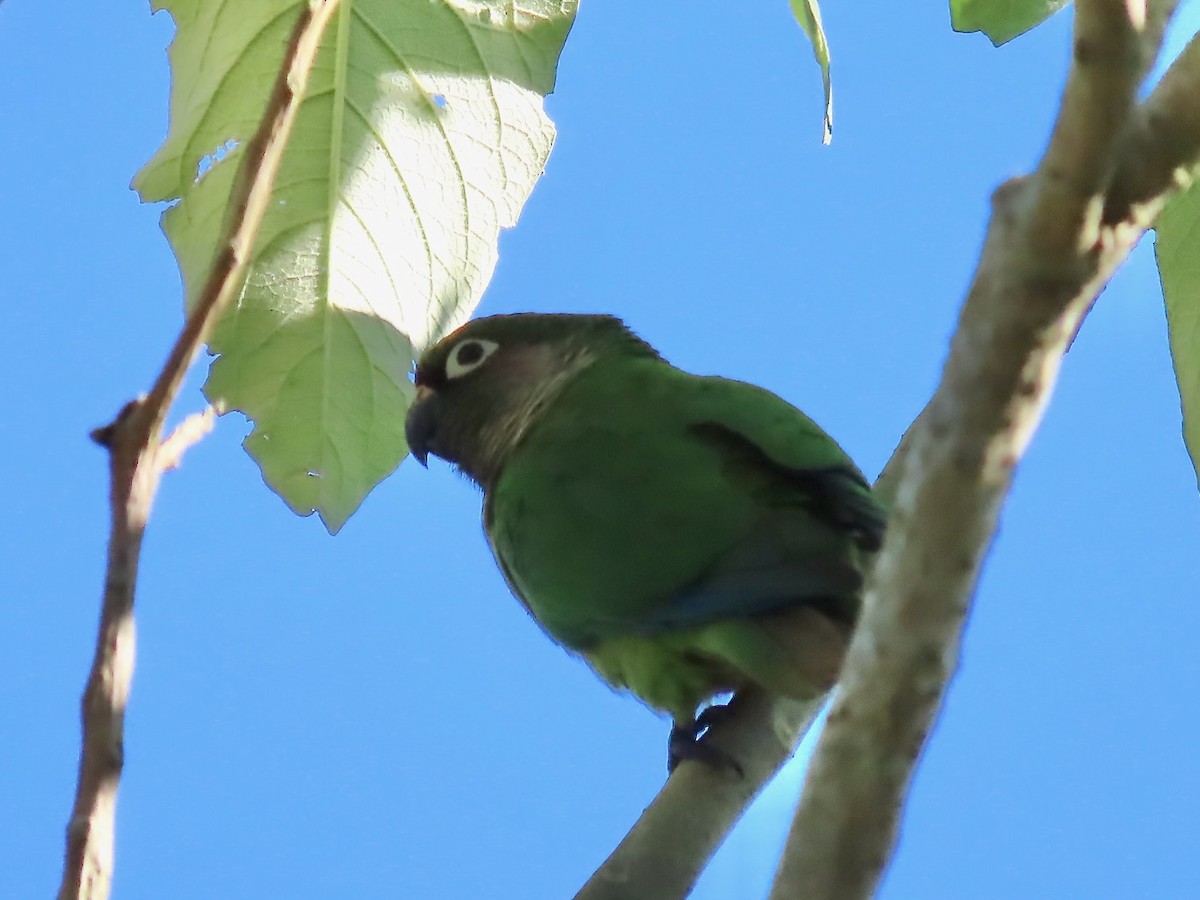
{"x":688,"y":742}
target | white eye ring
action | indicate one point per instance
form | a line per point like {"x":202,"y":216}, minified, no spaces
{"x":469,"y":355}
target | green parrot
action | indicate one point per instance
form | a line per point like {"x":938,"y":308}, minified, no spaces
{"x":687,"y":536}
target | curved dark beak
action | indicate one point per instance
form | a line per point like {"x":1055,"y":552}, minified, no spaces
{"x":420,"y":425}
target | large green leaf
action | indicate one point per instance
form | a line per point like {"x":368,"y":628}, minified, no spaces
{"x":1177,"y":249}
{"x":422,"y":134}
{"x":808,"y":14}
{"x":1001,"y":20}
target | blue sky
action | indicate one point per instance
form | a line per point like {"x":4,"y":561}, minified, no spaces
{"x":372,"y":715}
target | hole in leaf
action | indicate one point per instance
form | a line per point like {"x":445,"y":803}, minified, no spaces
{"x":211,"y":159}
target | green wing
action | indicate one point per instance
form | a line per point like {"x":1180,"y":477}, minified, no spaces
{"x":768,"y":440}
{"x":647,"y":500}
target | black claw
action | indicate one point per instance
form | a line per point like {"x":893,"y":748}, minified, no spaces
{"x":688,"y":741}
{"x":711,"y":716}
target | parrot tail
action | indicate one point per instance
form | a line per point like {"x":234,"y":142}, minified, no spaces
{"x":796,"y":652}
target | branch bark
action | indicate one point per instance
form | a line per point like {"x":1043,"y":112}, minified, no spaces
{"x":137,"y":459}
{"x":669,"y":845}
{"x":1053,"y":242}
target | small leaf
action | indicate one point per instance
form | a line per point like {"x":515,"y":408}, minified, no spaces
{"x":1001,"y":20}
{"x":422,"y":135}
{"x":1177,"y":249}
{"x":808,"y":14}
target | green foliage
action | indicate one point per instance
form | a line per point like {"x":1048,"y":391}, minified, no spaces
{"x":808,"y":14}
{"x":422,"y":136}
{"x":1001,"y":20}
{"x":1177,"y":236}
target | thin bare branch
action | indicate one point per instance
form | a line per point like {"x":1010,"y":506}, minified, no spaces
{"x":1048,"y":254}
{"x":187,"y":434}
{"x":136,"y":461}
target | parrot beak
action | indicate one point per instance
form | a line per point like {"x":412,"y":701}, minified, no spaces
{"x":420,"y":425}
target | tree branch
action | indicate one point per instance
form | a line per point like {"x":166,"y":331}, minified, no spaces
{"x":1160,"y":145}
{"x":1050,"y":250}
{"x":669,"y":845}
{"x":137,"y":460}
{"x":187,"y":434}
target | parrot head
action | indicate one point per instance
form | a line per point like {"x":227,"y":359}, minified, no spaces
{"x":482,"y":387}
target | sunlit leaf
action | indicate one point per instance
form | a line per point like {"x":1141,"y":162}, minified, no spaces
{"x":1001,"y":20}
{"x":422,"y":135}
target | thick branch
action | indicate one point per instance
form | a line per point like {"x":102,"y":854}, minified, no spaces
{"x":1160,"y":146}
{"x":1110,"y":60}
{"x":136,"y":461}
{"x":1047,"y":256}
{"x":668,"y":847}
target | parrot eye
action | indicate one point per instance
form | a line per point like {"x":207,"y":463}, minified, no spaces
{"x":468,"y":356}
